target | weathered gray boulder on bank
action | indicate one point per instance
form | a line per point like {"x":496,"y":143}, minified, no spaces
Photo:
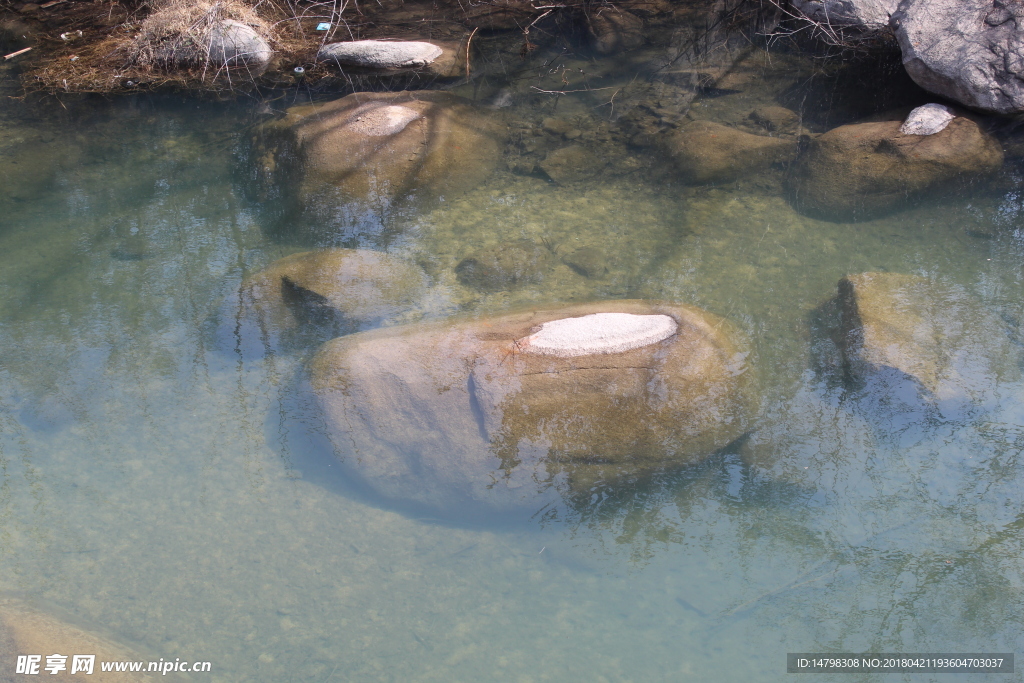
{"x":514,"y":411}
{"x":971,"y":51}
{"x":861,"y":15}
{"x":864,"y":170}
{"x":897,"y":328}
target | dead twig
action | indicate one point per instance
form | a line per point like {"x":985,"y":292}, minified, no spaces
{"x":15,"y":54}
{"x":469,"y":44}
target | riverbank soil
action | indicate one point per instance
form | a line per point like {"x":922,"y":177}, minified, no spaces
{"x":92,"y":46}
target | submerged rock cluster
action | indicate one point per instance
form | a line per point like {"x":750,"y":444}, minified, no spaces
{"x":513,"y":408}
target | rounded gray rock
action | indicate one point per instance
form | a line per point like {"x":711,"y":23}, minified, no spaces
{"x":381,"y":54}
{"x":971,"y":51}
{"x":233,"y":43}
{"x":928,"y":119}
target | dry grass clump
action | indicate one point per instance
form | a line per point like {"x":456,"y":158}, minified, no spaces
{"x":179,"y":31}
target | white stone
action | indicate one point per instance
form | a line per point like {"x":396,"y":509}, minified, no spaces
{"x":378,"y":121}
{"x":928,"y":119}
{"x":382,"y":54}
{"x":598,"y":333}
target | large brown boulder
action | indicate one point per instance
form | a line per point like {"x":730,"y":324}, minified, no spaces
{"x":25,"y":630}
{"x":897,"y":327}
{"x":364,"y":151}
{"x":864,"y":170}
{"x":343,"y":289}
{"x":513,"y":411}
{"x":708,"y":152}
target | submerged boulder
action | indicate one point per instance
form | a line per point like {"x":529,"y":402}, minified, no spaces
{"x":340,"y":289}
{"x":571,"y":164}
{"x":971,"y":51}
{"x":587,"y":261}
{"x":516,"y":410}
{"x":25,"y":630}
{"x":504,"y":266}
{"x":708,"y":152}
{"x":614,"y":30}
{"x":863,"y":170}
{"x":776,"y":119}
{"x":897,"y":327}
{"x":361,"y":153}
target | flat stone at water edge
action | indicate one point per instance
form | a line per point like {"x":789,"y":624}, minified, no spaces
{"x":382,"y":54}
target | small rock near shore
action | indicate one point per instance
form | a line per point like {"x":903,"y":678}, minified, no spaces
{"x":928,"y":119}
{"x":381,"y":54}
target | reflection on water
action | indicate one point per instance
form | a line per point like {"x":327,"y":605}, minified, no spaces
{"x":167,"y":475}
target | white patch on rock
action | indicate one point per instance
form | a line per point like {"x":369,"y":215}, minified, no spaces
{"x":382,"y":54}
{"x":380,"y":121}
{"x":598,"y":333}
{"x":928,"y":119}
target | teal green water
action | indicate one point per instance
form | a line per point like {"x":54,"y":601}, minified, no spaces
{"x":175,"y":491}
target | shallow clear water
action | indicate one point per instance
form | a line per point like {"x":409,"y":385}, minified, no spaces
{"x":174,"y":488}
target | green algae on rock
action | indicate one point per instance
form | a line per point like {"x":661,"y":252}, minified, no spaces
{"x":470,"y":413}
